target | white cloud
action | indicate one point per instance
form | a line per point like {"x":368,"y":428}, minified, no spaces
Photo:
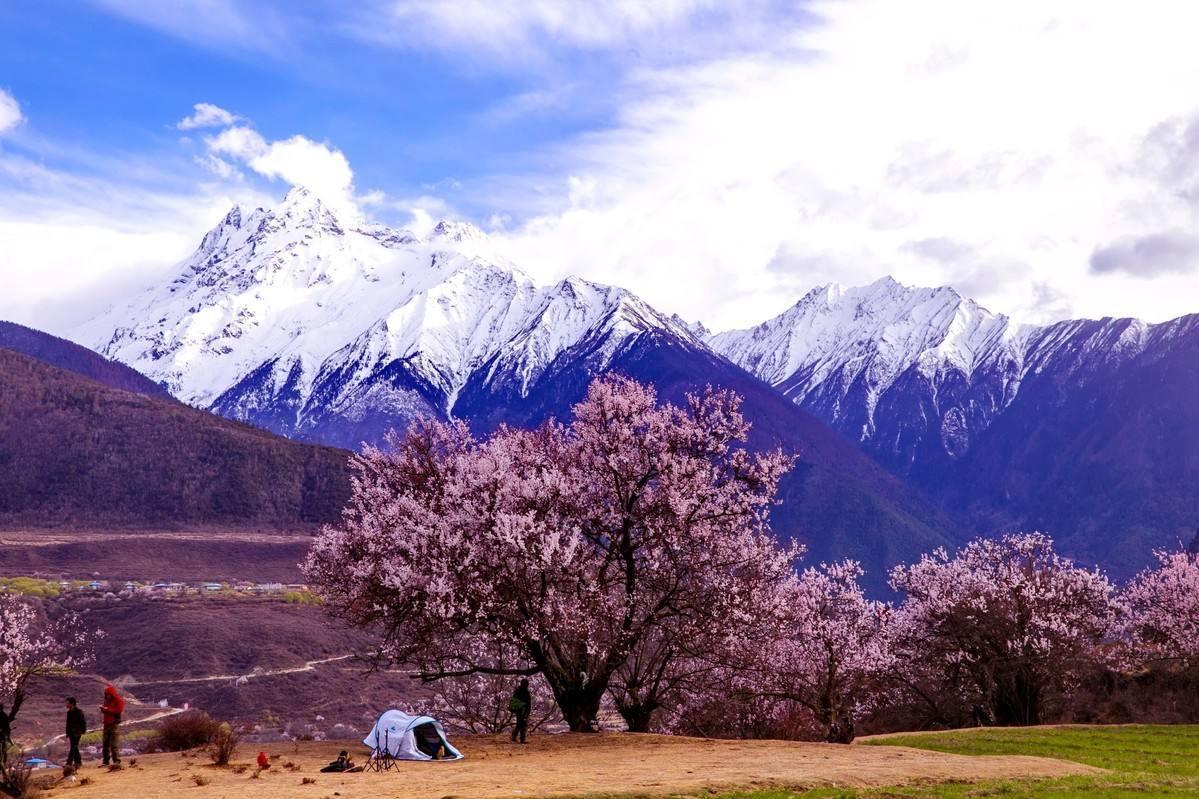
{"x":471,"y":32}
{"x":528,"y":31}
{"x":10,"y":112}
{"x":219,"y":166}
{"x":1002,"y":148}
{"x":1146,"y":256}
{"x":886,"y":134}
{"x":297,"y":160}
{"x":207,"y":115}
{"x":220,"y":24}
{"x":73,"y":245}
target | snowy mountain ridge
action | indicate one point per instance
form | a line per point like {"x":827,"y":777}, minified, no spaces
{"x":871,"y":335}
{"x":284,"y":314}
{"x":894,"y":366}
{"x":294,"y":320}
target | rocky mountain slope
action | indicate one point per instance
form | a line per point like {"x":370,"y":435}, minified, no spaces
{"x":1081,"y":427}
{"x":912,"y":374}
{"x":290,"y":320}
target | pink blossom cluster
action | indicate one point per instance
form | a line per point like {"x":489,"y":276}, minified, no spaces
{"x":32,"y":645}
{"x":1163,"y":611}
{"x":833,"y":655}
{"x":1002,"y":621}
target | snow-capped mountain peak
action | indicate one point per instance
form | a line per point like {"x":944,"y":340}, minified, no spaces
{"x":454,"y":230}
{"x":285,"y":314}
{"x":906,"y":370}
{"x":872,"y":332}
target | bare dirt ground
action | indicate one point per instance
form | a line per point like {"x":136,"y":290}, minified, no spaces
{"x":152,"y":555}
{"x":558,"y":765}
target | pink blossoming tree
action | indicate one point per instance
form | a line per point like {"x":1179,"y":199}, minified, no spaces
{"x":1163,"y":611}
{"x":1003,"y":621}
{"x":32,"y":645}
{"x":575,"y":546}
{"x":730,"y":703}
{"x":833,"y":655}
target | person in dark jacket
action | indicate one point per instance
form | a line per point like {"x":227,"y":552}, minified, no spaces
{"x":521,"y":705}
{"x":111,"y":711}
{"x":342,"y":763}
{"x":6,"y":720}
{"x":76,"y":727}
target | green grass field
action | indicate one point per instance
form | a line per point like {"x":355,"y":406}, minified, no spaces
{"x":1144,"y":760}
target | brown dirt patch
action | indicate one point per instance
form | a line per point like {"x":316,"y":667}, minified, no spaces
{"x":564,"y":765}
{"x":153,"y":556}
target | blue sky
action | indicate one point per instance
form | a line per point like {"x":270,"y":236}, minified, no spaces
{"x":96,"y":82}
{"x":719,"y":158}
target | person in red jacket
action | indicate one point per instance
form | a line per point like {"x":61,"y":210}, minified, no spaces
{"x":111,"y":710}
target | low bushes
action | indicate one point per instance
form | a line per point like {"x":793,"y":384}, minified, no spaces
{"x":223,"y":745}
{"x":187,"y":730}
{"x":193,"y":729}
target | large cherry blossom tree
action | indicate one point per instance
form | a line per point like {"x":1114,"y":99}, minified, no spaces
{"x":1003,"y":621}
{"x":577,"y":546}
{"x":1163,"y":611}
{"x":833,"y":653}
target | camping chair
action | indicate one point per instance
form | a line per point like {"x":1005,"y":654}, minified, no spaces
{"x":381,"y":759}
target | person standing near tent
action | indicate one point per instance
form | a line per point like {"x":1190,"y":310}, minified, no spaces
{"x":76,"y":727}
{"x":111,"y":710}
{"x":521,"y":704}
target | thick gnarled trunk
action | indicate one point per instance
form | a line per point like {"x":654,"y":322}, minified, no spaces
{"x":579,"y":704}
{"x":637,"y":715}
{"x":837,"y":720}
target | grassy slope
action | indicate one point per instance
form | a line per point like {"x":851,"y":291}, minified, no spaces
{"x":1145,"y":760}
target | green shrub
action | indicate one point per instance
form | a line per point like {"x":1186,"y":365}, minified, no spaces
{"x":30,"y":586}
{"x":301,"y":598}
{"x":223,"y":745}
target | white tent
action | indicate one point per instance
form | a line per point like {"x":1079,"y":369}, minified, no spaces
{"x":409,"y":737}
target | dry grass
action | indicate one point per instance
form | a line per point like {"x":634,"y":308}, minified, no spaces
{"x":577,"y":765}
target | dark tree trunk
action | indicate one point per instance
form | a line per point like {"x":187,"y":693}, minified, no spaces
{"x":838,"y":722}
{"x":577,"y":695}
{"x":637,"y":715}
{"x":579,"y":708}
{"x":578,"y":700}
{"x":1018,"y":700}
{"x":840,"y":731}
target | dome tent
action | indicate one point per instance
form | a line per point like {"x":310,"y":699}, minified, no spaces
{"x":408,"y":737}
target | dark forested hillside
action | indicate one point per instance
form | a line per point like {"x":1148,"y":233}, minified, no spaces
{"x":74,"y":358}
{"x":76,"y":452}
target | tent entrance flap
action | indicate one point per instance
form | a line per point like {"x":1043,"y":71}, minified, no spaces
{"x":427,"y":739}
{"x":402,"y":736}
